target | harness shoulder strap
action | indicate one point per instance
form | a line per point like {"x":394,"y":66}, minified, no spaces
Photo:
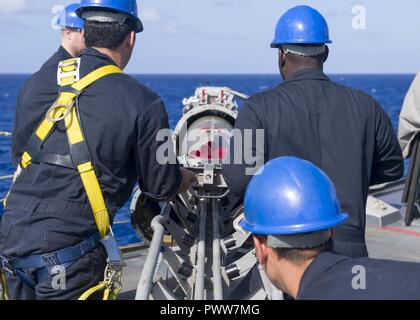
{"x":94,"y":76}
{"x":81,"y":156}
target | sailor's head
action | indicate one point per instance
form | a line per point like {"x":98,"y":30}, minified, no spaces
{"x":111,"y":25}
{"x":291,"y":208}
{"x":302,"y":35}
{"x":71,"y":30}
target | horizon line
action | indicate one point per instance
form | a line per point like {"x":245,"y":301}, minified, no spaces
{"x":239,"y":74}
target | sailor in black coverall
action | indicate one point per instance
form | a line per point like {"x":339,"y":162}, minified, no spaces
{"x":47,"y":209}
{"x":343,"y":131}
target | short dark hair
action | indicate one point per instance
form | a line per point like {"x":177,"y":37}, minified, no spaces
{"x":108,"y":35}
{"x":300,"y":256}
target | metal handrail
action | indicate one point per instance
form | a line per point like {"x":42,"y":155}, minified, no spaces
{"x":144,"y":286}
{"x":217,"y":265}
{"x":201,"y":254}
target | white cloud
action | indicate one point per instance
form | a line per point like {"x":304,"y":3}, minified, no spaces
{"x":10,"y":6}
{"x":149,"y":15}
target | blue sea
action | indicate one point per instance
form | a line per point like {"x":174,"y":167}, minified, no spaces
{"x":389,"y":90}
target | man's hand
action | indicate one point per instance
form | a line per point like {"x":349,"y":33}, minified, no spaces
{"x":188,"y":177}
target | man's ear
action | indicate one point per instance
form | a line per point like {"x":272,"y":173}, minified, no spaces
{"x":282,"y":58}
{"x":326,"y":54}
{"x":131,"y":39}
{"x":66,"y":34}
{"x":260,"y":249}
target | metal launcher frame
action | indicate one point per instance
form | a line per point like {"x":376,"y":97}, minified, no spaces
{"x":196,"y":249}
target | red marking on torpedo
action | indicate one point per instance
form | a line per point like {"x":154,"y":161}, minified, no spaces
{"x":204,"y":95}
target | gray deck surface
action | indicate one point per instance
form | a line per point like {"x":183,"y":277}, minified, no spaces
{"x":396,"y":242}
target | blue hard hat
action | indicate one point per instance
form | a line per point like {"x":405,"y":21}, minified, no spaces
{"x":301,"y":25}
{"x":290,"y":196}
{"x":128,"y":7}
{"x":69,"y":19}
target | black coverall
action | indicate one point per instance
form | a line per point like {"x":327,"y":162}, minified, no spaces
{"x":343,"y":131}
{"x":334,"y":277}
{"x":48,"y":209}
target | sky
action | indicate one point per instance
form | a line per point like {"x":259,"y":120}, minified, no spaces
{"x":227,"y":36}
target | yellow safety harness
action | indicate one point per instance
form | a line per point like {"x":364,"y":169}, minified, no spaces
{"x":66,"y":108}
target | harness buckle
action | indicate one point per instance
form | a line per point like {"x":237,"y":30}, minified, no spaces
{"x":51,"y":260}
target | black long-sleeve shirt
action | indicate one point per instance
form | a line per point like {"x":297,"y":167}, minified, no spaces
{"x":120,"y":119}
{"x":343,"y":131}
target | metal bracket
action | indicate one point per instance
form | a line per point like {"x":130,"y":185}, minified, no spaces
{"x":208,"y":174}
{"x":63,"y":74}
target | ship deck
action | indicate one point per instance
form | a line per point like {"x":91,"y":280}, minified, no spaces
{"x":394,"y":241}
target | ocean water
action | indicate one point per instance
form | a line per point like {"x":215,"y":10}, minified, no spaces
{"x":389,"y":90}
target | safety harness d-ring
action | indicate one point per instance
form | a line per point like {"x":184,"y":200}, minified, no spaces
{"x":57,"y":106}
{"x":111,"y":286}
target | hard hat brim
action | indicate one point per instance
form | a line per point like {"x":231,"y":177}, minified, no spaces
{"x":140,"y":27}
{"x":139,"y":24}
{"x":290,"y":230}
{"x":277,"y":45}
